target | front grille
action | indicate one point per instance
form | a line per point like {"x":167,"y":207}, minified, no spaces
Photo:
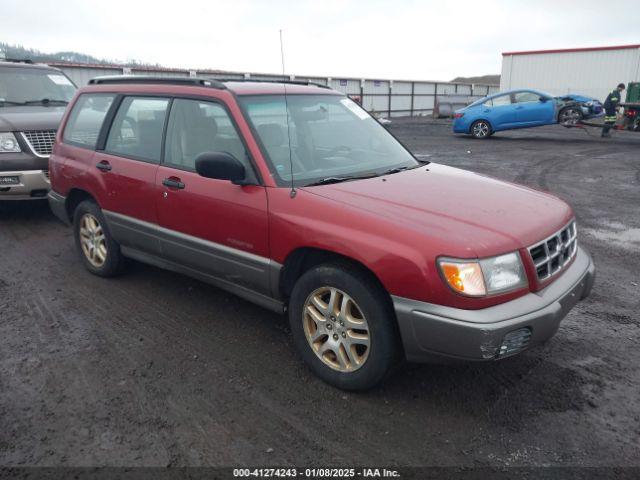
{"x":515,"y":341}
{"x":552,"y":254}
{"x":40,"y":141}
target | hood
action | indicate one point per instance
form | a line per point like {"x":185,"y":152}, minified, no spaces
{"x":30,"y":117}
{"x":576,"y":98}
{"x":472,"y":213}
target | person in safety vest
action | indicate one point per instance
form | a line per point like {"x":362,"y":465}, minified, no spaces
{"x":610,"y":109}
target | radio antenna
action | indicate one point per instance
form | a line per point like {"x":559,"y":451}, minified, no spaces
{"x":292,"y":193}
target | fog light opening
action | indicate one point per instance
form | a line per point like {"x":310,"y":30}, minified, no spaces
{"x":514,"y":342}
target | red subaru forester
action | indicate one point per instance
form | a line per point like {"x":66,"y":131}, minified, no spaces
{"x":292,"y":196}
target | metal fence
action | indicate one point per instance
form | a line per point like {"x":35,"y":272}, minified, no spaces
{"x":383,"y":98}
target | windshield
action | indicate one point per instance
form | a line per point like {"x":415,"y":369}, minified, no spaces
{"x":30,"y":86}
{"x":330,"y":135}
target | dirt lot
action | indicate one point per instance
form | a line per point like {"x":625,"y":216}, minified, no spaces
{"x":153,"y":368}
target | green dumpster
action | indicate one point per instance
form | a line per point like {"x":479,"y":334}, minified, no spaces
{"x":633,"y":93}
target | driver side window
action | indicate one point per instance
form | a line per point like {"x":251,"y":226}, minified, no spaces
{"x":197,"y":127}
{"x":526,"y":97}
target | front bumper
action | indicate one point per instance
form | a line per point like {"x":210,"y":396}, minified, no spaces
{"x":34,"y":184}
{"x":434,"y":332}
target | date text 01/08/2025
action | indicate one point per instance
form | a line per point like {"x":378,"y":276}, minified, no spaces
{"x":315,"y":473}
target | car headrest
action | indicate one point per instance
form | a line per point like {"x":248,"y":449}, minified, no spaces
{"x":209,"y":126}
{"x":194,"y":119}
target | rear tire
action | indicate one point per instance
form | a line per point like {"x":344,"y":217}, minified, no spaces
{"x":99,"y":252}
{"x":481,"y":129}
{"x":343,"y":326}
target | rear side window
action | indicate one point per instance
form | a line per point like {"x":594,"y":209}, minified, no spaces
{"x":197,"y":127}
{"x":85,"y":120}
{"x":501,"y":100}
{"x":136,"y":131}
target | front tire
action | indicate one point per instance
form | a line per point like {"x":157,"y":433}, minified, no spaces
{"x":99,"y":252}
{"x":343,"y":326}
{"x":481,"y":129}
{"x":570,"y":116}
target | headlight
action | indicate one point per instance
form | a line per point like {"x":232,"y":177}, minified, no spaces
{"x":8,"y":143}
{"x":484,"y":277}
{"x":589,"y":104}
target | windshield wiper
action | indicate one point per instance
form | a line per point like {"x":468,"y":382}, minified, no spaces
{"x":45,"y":101}
{"x":329,"y":180}
{"x":395,"y":170}
{"x":9,"y":102}
{"x":401,"y":169}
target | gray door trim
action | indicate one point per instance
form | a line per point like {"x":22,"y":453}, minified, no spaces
{"x":192,"y":254}
{"x":133,"y":233}
{"x":264,"y":301}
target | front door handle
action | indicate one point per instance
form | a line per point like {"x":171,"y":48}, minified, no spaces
{"x":104,"y":166}
{"x":173,"y":182}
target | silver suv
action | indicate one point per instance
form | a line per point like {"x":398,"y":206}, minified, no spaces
{"x":32,"y":101}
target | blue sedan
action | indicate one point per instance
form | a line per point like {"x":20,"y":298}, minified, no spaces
{"x":520,"y":109}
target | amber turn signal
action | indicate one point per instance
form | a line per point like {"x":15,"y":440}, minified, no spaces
{"x":465,"y":278}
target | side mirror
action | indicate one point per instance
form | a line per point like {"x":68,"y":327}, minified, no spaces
{"x":220,"y":166}
{"x":544,"y":99}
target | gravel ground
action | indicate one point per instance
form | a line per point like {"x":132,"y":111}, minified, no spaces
{"x":156,"y":369}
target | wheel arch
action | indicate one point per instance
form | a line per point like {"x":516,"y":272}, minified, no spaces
{"x":74,"y":198}
{"x":302,"y":259}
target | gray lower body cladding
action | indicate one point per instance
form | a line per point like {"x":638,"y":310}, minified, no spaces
{"x":249,"y":276}
{"x":245,"y":274}
{"x":58,"y":205}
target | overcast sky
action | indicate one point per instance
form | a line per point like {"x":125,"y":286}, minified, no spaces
{"x":403,"y":39}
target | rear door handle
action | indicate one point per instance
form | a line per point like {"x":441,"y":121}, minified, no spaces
{"x":104,"y":166}
{"x":173,"y":182}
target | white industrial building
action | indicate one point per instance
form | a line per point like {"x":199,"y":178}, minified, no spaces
{"x":589,"y":71}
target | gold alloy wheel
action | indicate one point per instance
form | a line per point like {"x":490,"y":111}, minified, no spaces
{"x":336,"y":329}
{"x":92,"y":240}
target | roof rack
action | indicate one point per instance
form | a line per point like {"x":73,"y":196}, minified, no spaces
{"x":293,"y":82}
{"x":148,"y":79}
